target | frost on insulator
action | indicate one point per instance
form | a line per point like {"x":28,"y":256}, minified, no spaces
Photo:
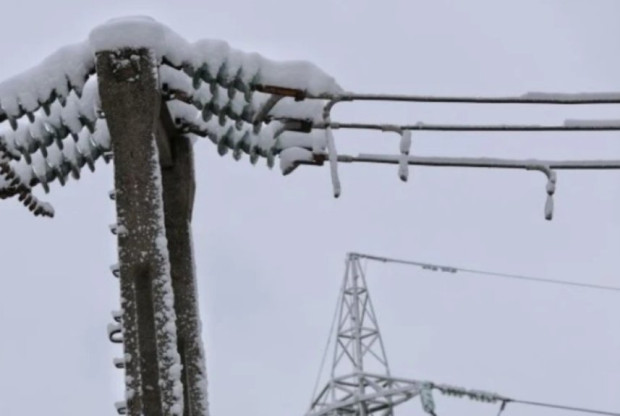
{"x":426,"y":397}
{"x":49,"y":115}
{"x":477,"y":395}
{"x":26,"y":92}
{"x":228,"y":135}
{"x":55,"y":163}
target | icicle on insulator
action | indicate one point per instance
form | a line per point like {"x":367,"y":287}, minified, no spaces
{"x":43,"y":149}
{"x":13,"y":123}
{"x":206,"y":114}
{"x":61,"y":178}
{"x":75,"y":170}
{"x":42,"y":179}
{"x":247,"y":95}
{"x":59,"y":143}
{"x":78,"y":90}
{"x":403,"y":162}
{"x":237,"y":153}
{"x":196,"y":81}
{"x":89,"y":162}
{"x":222,"y":120}
{"x":253,"y":156}
{"x":232,"y":91}
{"x":46,"y":107}
{"x":27,"y":156}
{"x":271,"y":161}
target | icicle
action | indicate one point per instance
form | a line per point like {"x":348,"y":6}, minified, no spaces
{"x":403,"y":162}
{"x":333,"y":161}
{"x":551,"y":183}
{"x":42,"y":179}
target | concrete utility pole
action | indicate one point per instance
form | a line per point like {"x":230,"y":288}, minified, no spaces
{"x":152,"y":166}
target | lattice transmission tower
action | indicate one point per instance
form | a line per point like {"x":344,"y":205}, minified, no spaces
{"x":360,"y":381}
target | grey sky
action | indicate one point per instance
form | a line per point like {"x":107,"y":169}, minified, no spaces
{"x":270,"y":249}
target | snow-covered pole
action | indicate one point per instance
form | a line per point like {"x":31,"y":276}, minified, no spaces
{"x":178,"y":191}
{"x":131,"y":102}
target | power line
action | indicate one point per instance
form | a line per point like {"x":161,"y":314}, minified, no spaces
{"x":452,"y":269}
{"x":488,"y":397}
{"x":530,"y":98}
{"x":563,"y":407}
{"x":611,"y":126}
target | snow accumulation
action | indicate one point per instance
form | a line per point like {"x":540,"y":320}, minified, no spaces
{"x":583,"y":96}
{"x":477,"y":395}
{"x":591,"y":123}
{"x":52,"y":124}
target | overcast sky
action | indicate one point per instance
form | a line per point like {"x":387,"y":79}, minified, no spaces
{"x":270,"y":249}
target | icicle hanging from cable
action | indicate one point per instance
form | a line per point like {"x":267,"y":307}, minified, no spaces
{"x":405,"y":147}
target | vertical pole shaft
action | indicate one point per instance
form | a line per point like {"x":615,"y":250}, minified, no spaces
{"x":131,"y":101}
{"x":179,"y":185}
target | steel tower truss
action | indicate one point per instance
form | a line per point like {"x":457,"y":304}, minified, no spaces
{"x":360,"y":381}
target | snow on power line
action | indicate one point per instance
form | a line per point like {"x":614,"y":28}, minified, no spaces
{"x":52,"y":125}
